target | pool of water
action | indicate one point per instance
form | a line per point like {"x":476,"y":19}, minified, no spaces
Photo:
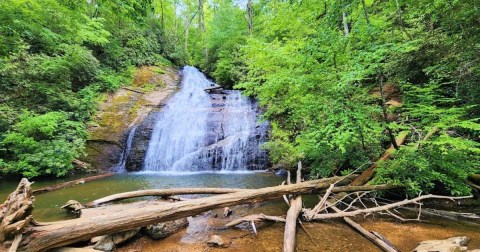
{"x":47,"y":205}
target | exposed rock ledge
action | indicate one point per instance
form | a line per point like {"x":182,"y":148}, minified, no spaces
{"x":129,"y":106}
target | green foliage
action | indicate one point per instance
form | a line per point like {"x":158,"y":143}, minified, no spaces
{"x":438,"y":168}
{"x":42,"y":145}
{"x":319,"y":84}
{"x":314,"y":67}
{"x":56,"y":57}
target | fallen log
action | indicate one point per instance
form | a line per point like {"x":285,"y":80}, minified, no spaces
{"x":368,"y":173}
{"x":473,"y":185}
{"x":430,"y":133}
{"x":186,"y":191}
{"x":161,"y":193}
{"x":71,"y":183}
{"x":61,"y":233}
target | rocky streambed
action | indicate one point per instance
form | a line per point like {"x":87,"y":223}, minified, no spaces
{"x":325,"y":236}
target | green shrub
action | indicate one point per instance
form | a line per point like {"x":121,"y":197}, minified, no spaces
{"x":441,"y":169}
{"x":42,"y":145}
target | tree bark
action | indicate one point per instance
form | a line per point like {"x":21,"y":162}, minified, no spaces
{"x":61,"y":233}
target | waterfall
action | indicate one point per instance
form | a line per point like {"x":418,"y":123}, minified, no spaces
{"x":120,"y":167}
{"x":201,"y":131}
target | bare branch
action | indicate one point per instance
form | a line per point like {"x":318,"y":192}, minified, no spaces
{"x":383,"y":208}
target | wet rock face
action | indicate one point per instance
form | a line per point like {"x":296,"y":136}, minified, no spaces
{"x":125,"y":108}
{"x":199,"y":129}
{"x":219,"y":136}
{"x":220,"y":119}
{"x":140,"y":142}
{"x":102,"y":155}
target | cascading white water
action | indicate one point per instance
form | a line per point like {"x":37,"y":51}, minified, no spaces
{"x":198,"y":131}
{"x":120,"y":167}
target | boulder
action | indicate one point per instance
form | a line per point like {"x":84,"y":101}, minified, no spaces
{"x":164,"y":229}
{"x":219,"y":241}
{"x":453,"y":244}
{"x":108,"y":242}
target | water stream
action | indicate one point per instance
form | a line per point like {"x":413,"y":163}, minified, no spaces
{"x":120,"y":167}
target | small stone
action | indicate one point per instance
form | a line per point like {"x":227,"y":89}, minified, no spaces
{"x":219,"y":242}
{"x":73,"y":206}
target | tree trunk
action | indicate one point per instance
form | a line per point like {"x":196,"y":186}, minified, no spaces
{"x":250,"y":17}
{"x":365,"y":12}
{"x":384,"y":110}
{"x":368,"y":174}
{"x":346,"y":30}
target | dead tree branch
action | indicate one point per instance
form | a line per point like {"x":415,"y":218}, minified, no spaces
{"x":382,"y":208}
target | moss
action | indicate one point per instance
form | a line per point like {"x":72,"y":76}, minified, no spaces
{"x":149,"y":87}
{"x":159,"y":70}
{"x":147,"y":76}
